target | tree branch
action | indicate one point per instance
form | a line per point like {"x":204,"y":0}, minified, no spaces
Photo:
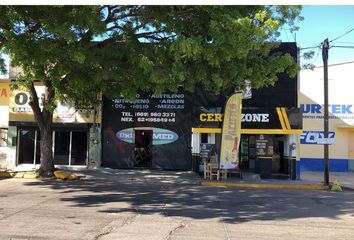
{"x":102,"y":44}
{"x":34,"y":28}
{"x":48,"y":98}
{"x":112,"y":11}
{"x":3,"y":40}
{"x":5,"y":26}
{"x":159,"y":38}
{"x":144,"y":34}
{"x":34,"y":104}
{"x":115,"y":27}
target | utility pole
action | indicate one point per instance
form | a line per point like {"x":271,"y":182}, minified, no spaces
{"x":325,"y":47}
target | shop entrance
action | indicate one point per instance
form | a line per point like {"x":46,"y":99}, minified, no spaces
{"x":280,"y":165}
{"x":143,"y":148}
{"x":274,"y":165}
{"x":247,"y":153}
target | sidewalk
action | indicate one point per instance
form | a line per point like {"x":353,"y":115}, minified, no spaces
{"x":345,"y":178}
{"x":308,"y":181}
{"x":141,"y":175}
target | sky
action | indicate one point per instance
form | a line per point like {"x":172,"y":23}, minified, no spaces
{"x":321,"y":22}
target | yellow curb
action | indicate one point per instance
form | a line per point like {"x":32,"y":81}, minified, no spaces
{"x":256,"y":185}
{"x":65,"y":175}
{"x":6,"y":174}
{"x":19,"y":175}
{"x":30,"y":175}
{"x":27,"y":175}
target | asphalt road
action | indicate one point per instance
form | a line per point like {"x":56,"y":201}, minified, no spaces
{"x":132,"y":207}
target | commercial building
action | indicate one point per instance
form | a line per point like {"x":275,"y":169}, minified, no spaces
{"x":165,"y":131}
{"x":160,"y":131}
{"x":76,"y":137}
{"x":341,"y":118}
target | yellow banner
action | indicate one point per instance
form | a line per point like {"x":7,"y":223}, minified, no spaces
{"x":231,"y":132}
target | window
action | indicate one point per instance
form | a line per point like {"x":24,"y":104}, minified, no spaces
{"x":70,"y":147}
{"x":203,"y":138}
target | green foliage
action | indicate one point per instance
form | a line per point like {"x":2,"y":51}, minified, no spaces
{"x":3,"y":69}
{"x":84,"y":50}
{"x":309,"y":55}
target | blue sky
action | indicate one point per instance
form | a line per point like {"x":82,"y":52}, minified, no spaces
{"x":326,"y":22}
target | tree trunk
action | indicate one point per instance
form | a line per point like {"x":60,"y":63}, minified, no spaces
{"x":47,"y":160}
{"x":44,"y":118}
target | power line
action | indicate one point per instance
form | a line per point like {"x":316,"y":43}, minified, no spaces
{"x":342,"y":35}
{"x":343,"y":46}
{"x":286,"y":30}
{"x":320,"y":44}
{"x":318,"y":53}
{"x":346,"y":42}
{"x":286,"y":33}
{"x":311,"y":47}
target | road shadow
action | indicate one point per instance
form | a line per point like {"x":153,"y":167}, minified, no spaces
{"x":170,"y":194}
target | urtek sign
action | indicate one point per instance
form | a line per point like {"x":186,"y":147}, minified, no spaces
{"x":159,"y":135}
{"x":333,"y":108}
{"x":245,"y":117}
{"x":316,"y":137}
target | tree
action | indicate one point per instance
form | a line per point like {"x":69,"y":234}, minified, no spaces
{"x":79,"y":51}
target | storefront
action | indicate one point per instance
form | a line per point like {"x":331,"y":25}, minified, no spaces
{"x":271,"y":152}
{"x":75,"y":138}
{"x":159,"y":132}
{"x":341,"y":118}
{"x":148,"y":133}
{"x":164,"y":131}
{"x":154,"y":131}
{"x":269,"y":135}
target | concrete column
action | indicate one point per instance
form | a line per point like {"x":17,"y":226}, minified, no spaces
{"x":94,"y":148}
{"x":11,"y":148}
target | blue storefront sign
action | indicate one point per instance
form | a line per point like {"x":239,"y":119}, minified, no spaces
{"x":316,"y":137}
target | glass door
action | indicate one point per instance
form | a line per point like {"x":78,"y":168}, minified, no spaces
{"x":78,"y":154}
{"x":26,"y":153}
{"x":61,"y":147}
{"x":70,"y":147}
{"x":143,"y":144}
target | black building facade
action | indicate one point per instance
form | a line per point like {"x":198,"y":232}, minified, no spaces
{"x":163,"y":131}
{"x":153,"y":132}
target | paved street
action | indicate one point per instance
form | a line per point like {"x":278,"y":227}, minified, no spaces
{"x":167,"y":205}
